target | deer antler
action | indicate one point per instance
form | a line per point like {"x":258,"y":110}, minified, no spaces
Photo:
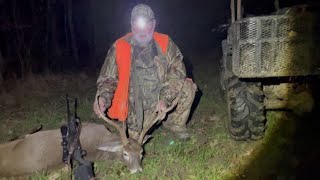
{"x":122,"y":130}
{"x":155,"y":117}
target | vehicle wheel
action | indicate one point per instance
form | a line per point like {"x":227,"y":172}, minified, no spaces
{"x":246,"y":116}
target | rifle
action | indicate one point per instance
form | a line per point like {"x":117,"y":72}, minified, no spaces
{"x":71,"y":146}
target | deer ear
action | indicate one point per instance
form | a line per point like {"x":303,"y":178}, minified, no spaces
{"x":113,"y":146}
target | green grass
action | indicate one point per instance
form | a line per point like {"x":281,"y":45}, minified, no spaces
{"x":167,"y":158}
{"x":210,"y":154}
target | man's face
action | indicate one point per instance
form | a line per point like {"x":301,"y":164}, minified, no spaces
{"x":142,"y":30}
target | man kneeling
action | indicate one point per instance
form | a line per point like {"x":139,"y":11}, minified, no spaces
{"x":142,"y":71}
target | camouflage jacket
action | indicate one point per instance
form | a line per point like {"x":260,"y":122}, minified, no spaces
{"x":169,"y":71}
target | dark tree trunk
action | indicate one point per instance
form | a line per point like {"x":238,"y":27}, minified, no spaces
{"x":66,"y":29}
{"x":72,"y":33}
{"x":277,"y":5}
{"x":92,"y":19}
{"x":47,"y":49}
{"x":52,"y":44}
{"x":1,"y":68}
{"x":19,"y":42}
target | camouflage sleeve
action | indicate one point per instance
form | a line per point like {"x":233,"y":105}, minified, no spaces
{"x":108,"y":77}
{"x":176,"y":74}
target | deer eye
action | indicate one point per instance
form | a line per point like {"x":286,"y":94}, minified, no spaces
{"x":125,"y":155}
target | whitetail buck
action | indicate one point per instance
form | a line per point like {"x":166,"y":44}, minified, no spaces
{"x":42,"y":150}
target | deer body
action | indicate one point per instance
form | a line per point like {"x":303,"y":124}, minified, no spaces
{"x":43,"y":150}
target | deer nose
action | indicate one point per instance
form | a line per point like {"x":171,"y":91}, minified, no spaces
{"x":133,"y":171}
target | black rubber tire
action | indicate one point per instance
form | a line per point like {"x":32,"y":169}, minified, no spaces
{"x":246,"y":117}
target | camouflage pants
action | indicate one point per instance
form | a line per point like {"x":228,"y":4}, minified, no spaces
{"x":177,"y":119}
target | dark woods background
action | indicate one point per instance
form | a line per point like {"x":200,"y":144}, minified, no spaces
{"x":59,"y":36}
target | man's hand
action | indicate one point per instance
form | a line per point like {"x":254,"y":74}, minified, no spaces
{"x":161,"y":106}
{"x":103,"y":105}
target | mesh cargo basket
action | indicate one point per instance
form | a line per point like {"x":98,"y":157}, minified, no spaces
{"x":278,"y":45}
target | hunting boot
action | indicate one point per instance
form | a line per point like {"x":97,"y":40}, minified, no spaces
{"x":177,"y":120}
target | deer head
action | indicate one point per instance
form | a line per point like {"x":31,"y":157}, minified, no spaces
{"x":132,"y":150}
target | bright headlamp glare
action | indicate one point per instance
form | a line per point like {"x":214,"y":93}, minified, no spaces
{"x":141,"y":23}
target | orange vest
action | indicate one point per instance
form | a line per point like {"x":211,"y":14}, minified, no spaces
{"x":119,"y":107}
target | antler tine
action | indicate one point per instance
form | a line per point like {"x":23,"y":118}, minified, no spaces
{"x":173,"y":104}
{"x":122,"y":132}
{"x":155,"y":120}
